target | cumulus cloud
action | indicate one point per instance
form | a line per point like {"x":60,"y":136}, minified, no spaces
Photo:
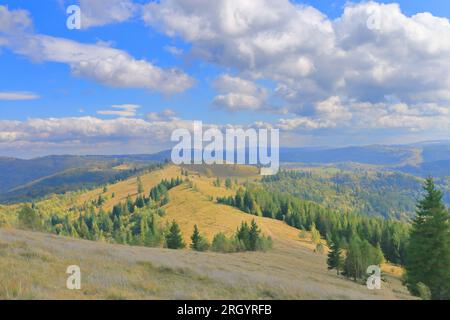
{"x":370,"y":55}
{"x":101,"y":12}
{"x":14,"y":21}
{"x":238,"y":93}
{"x":12,"y":96}
{"x":99,"y":62}
{"x":85,"y":135}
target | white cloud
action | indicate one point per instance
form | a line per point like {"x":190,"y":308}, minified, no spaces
{"x":101,"y":63}
{"x":14,"y":21}
{"x":85,"y":135}
{"x":166,"y":114}
{"x":239,"y":94}
{"x":123,"y":110}
{"x":174,"y":50}
{"x":101,"y":12}
{"x":370,"y":53}
{"x":11,"y":96}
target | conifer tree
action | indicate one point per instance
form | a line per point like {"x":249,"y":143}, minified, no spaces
{"x":428,"y":253}
{"x":199,"y":243}
{"x":174,"y":239}
{"x":253,"y":236}
{"x":335,"y":260}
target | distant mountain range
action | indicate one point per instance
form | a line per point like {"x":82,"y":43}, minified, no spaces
{"x":24,"y":179}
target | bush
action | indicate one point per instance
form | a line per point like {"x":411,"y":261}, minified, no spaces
{"x":223,"y":244}
{"x":423,"y":291}
{"x":29,"y":218}
{"x":264,"y":244}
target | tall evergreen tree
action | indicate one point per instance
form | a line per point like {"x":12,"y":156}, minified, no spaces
{"x":335,"y":260}
{"x":428,"y":253}
{"x":174,"y":239}
{"x":254,"y":236}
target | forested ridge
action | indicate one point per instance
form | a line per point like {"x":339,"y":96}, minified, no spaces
{"x":375,"y":193}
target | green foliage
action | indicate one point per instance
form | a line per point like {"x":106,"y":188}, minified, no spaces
{"x":199,"y":243}
{"x":246,"y":238}
{"x":159,"y":193}
{"x":360,"y":255}
{"x":428,"y":258}
{"x":335,"y":260}
{"x":221,"y":243}
{"x":29,"y":218}
{"x":84,"y":173}
{"x":391,"y":236}
{"x":384,"y":194}
{"x":228,"y":183}
{"x":423,"y":291}
{"x":217,"y":183}
{"x":174,"y":239}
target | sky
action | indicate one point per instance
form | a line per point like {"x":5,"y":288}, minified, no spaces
{"x":326,"y":73}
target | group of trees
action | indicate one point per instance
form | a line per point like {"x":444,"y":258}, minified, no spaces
{"x":360,"y":254}
{"x":134,"y":222}
{"x":228,"y":183}
{"x":386,"y":194}
{"x":246,"y":238}
{"x":391,"y":236}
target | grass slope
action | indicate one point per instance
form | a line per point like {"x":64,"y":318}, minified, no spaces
{"x":33,"y":264}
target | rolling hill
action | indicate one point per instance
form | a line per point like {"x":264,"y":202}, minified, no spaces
{"x":33,"y":264}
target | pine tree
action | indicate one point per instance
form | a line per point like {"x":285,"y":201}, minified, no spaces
{"x":243,"y":234}
{"x":428,"y":253}
{"x":195,"y":238}
{"x":174,"y":239}
{"x":254,"y":236}
{"x":335,"y":260}
{"x":199,"y":243}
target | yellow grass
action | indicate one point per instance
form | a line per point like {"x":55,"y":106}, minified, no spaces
{"x":291,"y":270}
{"x":126,"y":188}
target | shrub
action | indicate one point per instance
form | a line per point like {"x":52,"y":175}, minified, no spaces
{"x":223,"y":244}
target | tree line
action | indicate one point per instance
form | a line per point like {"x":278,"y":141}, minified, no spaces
{"x":391,"y":236}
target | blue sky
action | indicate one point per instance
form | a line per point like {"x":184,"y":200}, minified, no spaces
{"x":319,"y":73}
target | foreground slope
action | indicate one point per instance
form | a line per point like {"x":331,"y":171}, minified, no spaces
{"x":33,"y":266}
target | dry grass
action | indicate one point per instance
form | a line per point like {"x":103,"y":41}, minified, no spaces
{"x":33,"y":266}
{"x":129,"y":187}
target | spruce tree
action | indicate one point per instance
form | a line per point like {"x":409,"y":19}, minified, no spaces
{"x":199,"y":243}
{"x":335,"y":260}
{"x":254,"y":236}
{"x":428,"y":253}
{"x":174,"y":239}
